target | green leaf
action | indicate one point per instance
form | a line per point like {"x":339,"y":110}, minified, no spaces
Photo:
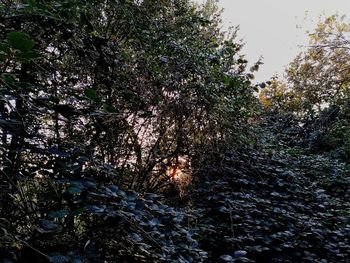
{"x":77,"y":212}
{"x":24,"y":85}
{"x":58,"y":214}
{"x":108,"y":108}
{"x":4,"y":51}
{"x":4,"y":48}
{"x":20,"y":41}
{"x":90,"y":93}
{"x":96,"y":209}
{"x":3,"y":57}
{"x":48,"y":225}
{"x":76,"y":187}
{"x":28,"y":55}
{"x":8,"y":79}
{"x":75,"y":190}
{"x":157,"y":100}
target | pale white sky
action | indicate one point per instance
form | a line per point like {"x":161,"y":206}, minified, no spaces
{"x":275,"y":29}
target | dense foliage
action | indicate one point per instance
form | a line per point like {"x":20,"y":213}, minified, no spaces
{"x":113,"y":84}
{"x":130,"y":132}
{"x":276,"y":204}
{"x":96,"y":94}
{"x":316,"y":90}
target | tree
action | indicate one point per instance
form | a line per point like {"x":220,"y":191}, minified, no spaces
{"x":125,"y":87}
{"x":114,"y":92}
{"x":317,"y":88}
{"x":320,"y":76}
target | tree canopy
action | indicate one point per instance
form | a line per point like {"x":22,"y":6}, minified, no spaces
{"x":318,"y":77}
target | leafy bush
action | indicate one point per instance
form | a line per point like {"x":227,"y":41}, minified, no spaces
{"x":95,"y":94}
{"x":118,"y":86}
{"x":274,"y":208}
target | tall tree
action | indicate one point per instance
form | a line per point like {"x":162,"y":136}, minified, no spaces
{"x":320,"y":76}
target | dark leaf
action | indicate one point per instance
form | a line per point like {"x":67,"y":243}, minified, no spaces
{"x":226,"y":258}
{"x":58,"y":259}
{"x":91,"y":94}
{"x":58,"y":214}
{"x":20,"y":41}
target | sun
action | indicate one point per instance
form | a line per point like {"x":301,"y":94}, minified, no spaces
{"x":180,"y":170}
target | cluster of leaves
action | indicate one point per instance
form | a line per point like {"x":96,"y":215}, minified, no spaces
{"x":319,"y":76}
{"x":277,"y":204}
{"x":105,"y":223}
{"x":316,"y":90}
{"x":127,"y":88}
{"x":99,"y":99}
{"x":96,"y":93}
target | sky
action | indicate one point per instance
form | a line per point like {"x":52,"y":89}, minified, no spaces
{"x":276,"y":29}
